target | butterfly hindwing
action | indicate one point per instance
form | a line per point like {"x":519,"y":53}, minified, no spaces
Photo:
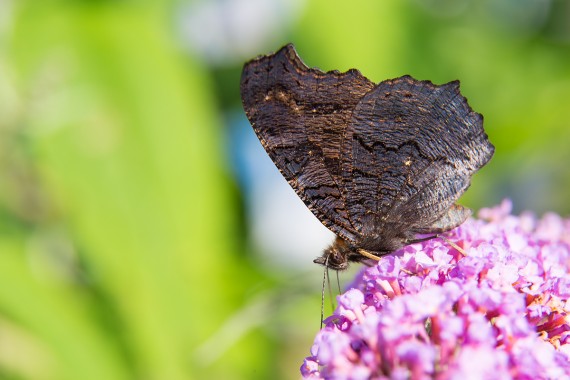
{"x":409,"y":153}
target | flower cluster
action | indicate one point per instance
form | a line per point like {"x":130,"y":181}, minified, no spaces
{"x":495,"y":308}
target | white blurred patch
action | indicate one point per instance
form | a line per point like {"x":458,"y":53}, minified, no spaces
{"x":229,"y":31}
{"x":283,"y":227}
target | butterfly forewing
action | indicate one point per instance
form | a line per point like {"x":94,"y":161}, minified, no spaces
{"x":300,"y":115}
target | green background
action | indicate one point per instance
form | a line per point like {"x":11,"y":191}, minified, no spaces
{"x":123,"y":239}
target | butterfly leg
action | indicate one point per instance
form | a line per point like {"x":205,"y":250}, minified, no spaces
{"x":419,"y":240}
{"x":458,"y":248}
{"x":367,"y":254}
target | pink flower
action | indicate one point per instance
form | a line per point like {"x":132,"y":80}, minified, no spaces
{"x":428,"y":311}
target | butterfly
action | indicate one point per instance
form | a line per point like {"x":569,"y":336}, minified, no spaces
{"x":378,"y":164}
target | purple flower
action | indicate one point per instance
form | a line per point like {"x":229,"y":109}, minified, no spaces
{"x":500,"y":309}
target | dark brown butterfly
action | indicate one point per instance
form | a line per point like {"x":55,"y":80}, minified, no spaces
{"x":378,"y":164}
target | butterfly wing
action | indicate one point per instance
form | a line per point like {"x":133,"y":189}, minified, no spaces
{"x":409,"y":153}
{"x":300,"y":115}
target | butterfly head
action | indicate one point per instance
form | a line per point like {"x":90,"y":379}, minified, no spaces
{"x":336,"y":256}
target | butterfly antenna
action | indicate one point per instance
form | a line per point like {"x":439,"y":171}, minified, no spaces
{"x":325,"y":278}
{"x":330,"y":289}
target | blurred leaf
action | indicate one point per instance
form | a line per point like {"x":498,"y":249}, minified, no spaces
{"x":125,"y":136}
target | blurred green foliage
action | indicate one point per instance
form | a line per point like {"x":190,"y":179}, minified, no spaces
{"x":121,"y":239}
